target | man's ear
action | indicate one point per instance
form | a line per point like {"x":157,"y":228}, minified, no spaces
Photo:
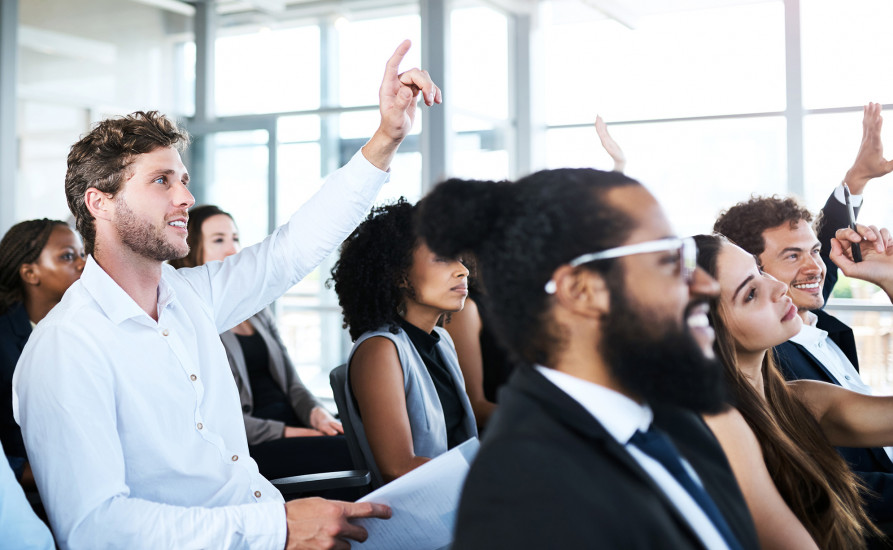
{"x":99,"y":204}
{"x":30,"y":274}
{"x":582,"y":291}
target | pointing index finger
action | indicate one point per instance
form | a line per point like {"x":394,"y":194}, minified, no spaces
{"x":393,"y":65}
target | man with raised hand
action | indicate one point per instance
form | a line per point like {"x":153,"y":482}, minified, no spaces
{"x":130,"y":414}
{"x":779,"y":232}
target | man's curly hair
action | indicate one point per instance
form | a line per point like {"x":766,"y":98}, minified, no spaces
{"x":370,"y":277}
{"x":745,"y":222}
{"x":102,"y":159}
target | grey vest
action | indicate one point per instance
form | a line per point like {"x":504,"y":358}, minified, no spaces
{"x":429,"y":436}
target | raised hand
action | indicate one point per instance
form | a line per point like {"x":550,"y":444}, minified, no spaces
{"x":877,"y":255}
{"x":610,"y":145}
{"x":397,"y":99}
{"x":870,"y":162}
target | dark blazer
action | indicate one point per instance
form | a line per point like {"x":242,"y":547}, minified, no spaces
{"x":548,"y":475}
{"x":15,"y":328}
{"x":871,"y":464}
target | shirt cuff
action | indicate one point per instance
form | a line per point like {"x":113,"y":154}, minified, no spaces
{"x":267,"y":521}
{"x":855,"y":200}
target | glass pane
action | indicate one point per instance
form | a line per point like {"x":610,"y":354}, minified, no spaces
{"x":695,"y":169}
{"x":298,"y":128}
{"x":268,"y":71}
{"x":847,"y":52}
{"x":365,"y":46}
{"x":46,"y":133}
{"x":479,"y":38}
{"x":830,"y":145}
{"x":240,"y":185}
{"x":91,"y":53}
{"x":688,"y":63}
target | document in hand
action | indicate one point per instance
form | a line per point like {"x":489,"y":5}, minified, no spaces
{"x":423,"y":502}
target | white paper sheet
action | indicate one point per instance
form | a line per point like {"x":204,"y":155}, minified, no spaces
{"x":423,"y":502}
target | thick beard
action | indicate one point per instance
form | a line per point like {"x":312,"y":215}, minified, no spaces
{"x":658,"y":360}
{"x":141,"y":237}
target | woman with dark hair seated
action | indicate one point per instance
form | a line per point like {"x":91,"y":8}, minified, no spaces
{"x":39,"y":260}
{"x":281,"y":416}
{"x":779,"y":437}
{"x":405,"y":393}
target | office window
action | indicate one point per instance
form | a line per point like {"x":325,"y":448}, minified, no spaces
{"x":240,"y":181}
{"x":681,"y":64}
{"x":847,"y":52}
{"x":694,"y":168}
{"x":271,"y":70}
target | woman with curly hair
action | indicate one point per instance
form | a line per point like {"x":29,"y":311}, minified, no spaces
{"x":39,"y":260}
{"x":779,"y":437}
{"x":282,"y":418}
{"x":405,"y":392}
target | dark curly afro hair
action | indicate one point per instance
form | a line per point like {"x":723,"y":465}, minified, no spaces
{"x":370,"y":277}
{"x":519,"y":233}
{"x":744,"y":223}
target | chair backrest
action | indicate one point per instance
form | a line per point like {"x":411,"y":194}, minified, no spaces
{"x":337,"y":379}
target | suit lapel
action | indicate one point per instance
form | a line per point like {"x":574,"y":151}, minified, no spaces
{"x":566,"y":410}
{"x":815,"y":362}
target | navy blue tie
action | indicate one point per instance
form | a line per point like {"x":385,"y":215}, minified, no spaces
{"x":659,"y":447}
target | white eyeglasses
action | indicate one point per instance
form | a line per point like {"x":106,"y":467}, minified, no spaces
{"x":687,"y":248}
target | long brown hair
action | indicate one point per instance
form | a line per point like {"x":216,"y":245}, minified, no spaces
{"x":811,"y":477}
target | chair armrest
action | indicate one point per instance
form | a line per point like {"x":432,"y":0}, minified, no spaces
{"x":322,"y":482}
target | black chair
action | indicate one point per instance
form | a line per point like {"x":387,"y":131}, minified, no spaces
{"x":337,"y":379}
{"x":343,"y":485}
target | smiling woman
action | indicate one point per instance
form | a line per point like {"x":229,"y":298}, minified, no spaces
{"x":800,"y":492}
{"x":39,"y":260}
{"x":393,"y":290}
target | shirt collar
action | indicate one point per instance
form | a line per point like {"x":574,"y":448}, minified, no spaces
{"x":117,"y":305}
{"x":617,"y":413}
{"x":810,"y":334}
{"x":422,"y":340}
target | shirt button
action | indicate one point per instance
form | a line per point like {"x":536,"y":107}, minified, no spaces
{"x":235,"y":458}
{"x":165,"y":332}
{"x":193,"y":377}
{"x":199,"y":426}
{"x":257,"y":494}
{"x":847,"y":377}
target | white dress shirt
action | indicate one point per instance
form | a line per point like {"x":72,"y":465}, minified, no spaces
{"x":622,"y":417}
{"x":133,"y":427}
{"x":829,"y":354}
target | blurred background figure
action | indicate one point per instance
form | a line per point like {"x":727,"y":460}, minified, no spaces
{"x":39,"y":260}
{"x":284,"y":423}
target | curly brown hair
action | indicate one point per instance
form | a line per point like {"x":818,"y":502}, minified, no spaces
{"x":744,"y":223}
{"x":101,"y":159}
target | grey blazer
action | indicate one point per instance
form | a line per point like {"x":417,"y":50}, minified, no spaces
{"x":429,"y":436}
{"x":260,"y":430}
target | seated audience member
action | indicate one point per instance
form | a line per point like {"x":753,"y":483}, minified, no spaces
{"x":128,"y":409}
{"x":485,"y":364}
{"x":405,"y":393}
{"x":778,"y":232}
{"x":20,"y":528}
{"x":281,"y":416}
{"x":598,"y":433}
{"x":39,"y":260}
{"x":800,"y":491}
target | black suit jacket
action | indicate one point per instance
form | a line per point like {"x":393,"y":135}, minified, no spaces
{"x":15,"y":328}
{"x":548,"y":475}
{"x":871,"y":464}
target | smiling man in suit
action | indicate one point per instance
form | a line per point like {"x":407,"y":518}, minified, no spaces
{"x":779,"y":232}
